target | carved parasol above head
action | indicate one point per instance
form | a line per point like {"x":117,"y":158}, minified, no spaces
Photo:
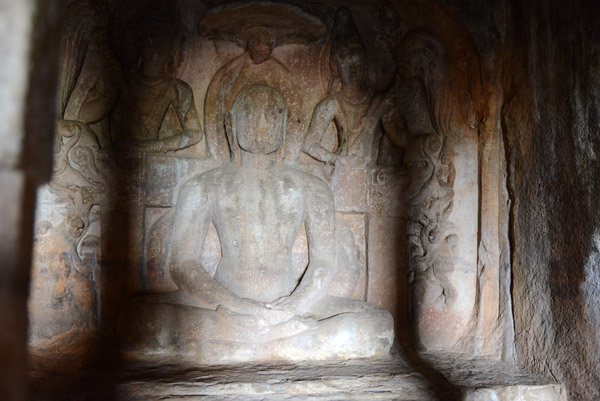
{"x":286,"y":24}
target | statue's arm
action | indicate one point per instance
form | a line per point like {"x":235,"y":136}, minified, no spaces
{"x":190,"y":224}
{"x":393,"y":121}
{"x":320,"y":229}
{"x":322,"y":116}
{"x":188,"y":116}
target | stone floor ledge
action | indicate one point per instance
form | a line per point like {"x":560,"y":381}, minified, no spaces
{"x":389,"y":379}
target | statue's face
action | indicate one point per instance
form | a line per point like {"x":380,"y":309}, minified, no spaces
{"x":156,"y":50}
{"x":259,"y":47}
{"x":260,"y":118}
{"x":351,"y":62}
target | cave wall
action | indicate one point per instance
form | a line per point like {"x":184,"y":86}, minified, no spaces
{"x":30,"y":33}
{"x":536,"y":119}
{"x":540,"y":59}
{"x":554,"y":177}
{"x":545,"y":56}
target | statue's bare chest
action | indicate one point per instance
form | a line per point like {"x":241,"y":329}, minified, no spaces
{"x":261,"y":205}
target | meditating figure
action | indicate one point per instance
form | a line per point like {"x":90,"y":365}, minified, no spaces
{"x":254,"y":308}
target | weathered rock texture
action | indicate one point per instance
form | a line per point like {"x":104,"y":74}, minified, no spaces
{"x":474,"y":221}
{"x":551,"y":121}
{"x":384,"y":103}
{"x":388,"y":379}
{"x":545,"y":56}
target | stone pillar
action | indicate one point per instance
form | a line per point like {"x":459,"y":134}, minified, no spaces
{"x":28,"y":71}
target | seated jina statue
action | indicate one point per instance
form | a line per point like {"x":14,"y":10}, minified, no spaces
{"x":253,"y":309}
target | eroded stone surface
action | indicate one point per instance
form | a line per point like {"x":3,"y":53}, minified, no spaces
{"x":350,"y":380}
{"x":382,"y":87}
{"x":253,"y":307}
{"x":388,"y":379}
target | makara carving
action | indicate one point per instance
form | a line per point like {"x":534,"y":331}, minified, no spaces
{"x":68,"y":239}
{"x":429,"y":196}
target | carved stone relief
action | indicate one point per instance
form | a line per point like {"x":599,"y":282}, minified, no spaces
{"x":90,"y":73}
{"x":255,"y":307}
{"x":351,"y":105}
{"x":440,"y":239}
{"x":259,"y":30}
{"x":349,"y":282}
{"x":157,"y":110}
{"x":370,"y":109}
{"x":67,"y":242}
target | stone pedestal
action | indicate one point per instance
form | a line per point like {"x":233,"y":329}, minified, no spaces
{"x":389,"y":379}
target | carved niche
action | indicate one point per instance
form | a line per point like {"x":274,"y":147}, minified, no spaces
{"x":383,"y":107}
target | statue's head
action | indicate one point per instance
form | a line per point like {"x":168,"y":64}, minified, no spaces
{"x":259,"y":45}
{"x":258,"y":119}
{"x":157,"y":46}
{"x":351,"y":61}
{"x":348,"y":52}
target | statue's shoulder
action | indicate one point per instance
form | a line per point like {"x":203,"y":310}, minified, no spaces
{"x":327,"y":108}
{"x":330,"y":101}
{"x":210,"y":178}
{"x":305,"y":179}
{"x":182,"y":86}
{"x":185,"y":95}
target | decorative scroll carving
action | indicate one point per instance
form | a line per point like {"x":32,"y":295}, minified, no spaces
{"x":429,"y":195}
{"x":69,"y":245}
{"x":429,"y":198}
{"x":79,"y":177}
{"x":67,"y":236}
{"x":386,"y":187}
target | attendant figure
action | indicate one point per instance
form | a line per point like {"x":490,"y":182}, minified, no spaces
{"x":352,"y":106}
{"x":158,"y":113}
